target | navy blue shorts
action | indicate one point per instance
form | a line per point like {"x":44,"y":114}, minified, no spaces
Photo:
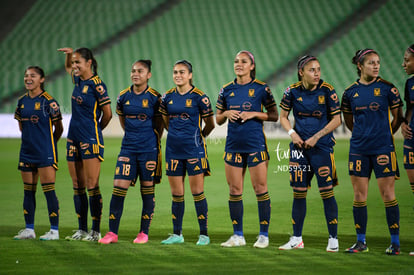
{"x":244,"y":160}
{"x":130,"y":165}
{"x":303,"y":164}
{"x":179,"y":167}
{"x":77,"y":151}
{"x":384,"y":165}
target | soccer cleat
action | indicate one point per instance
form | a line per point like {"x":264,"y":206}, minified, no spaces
{"x":262,"y":242}
{"x":173,"y":239}
{"x":92,"y":236}
{"x":234,"y":240}
{"x":141,"y":238}
{"x":52,"y":235}
{"x":25,"y":234}
{"x":411,"y":253}
{"x":77,"y":236}
{"x":203,"y":240}
{"x":358,"y":247}
{"x":110,"y":237}
{"x":293,"y":243}
{"x":333,"y":245}
{"x":393,"y":249}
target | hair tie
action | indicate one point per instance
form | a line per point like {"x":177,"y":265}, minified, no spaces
{"x":411,"y":50}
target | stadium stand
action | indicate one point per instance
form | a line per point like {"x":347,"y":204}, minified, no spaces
{"x":51,"y":24}
{"x":209,"y":33}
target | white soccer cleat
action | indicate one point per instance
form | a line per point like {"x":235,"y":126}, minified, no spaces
{"x":25,"y":234}
{"x":333,"y":245}
{"x":77,"y":236}
{"x":262,"y":242}
{"x":293,"y":243}
{"x":92,"y":236}
{"x":234,"y":240}
{"x":52,"y":235}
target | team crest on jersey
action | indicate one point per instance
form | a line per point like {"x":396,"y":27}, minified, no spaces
{"x":117,"y":171}
{"x":377,"y":92}
{"x":37,"y":106}
{"x":251,"y":92}
{"x":351,"y":166}
{"x":85,"y":89}
{"x":383,"y":160}
{"x":188,"y":103}
{"x":145,"y":103}
{"x":321,"y":99}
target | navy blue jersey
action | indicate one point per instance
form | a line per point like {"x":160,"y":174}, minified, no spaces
{"x":409,"y":99}
{"x":247,"y":136}
{"x":139,"y":111}
{"x":370,"y":106}
{"x":312,"y":110}
{"x":185,"y":112}
{"x":36,"y":116}
{"x":87,"y":99}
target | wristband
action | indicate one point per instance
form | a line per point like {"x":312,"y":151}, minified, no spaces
{"x":291,"y":131}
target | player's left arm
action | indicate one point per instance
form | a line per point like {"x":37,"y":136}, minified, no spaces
{"x":209,"y":126}
{"x":106,"y":115}
{"x":397,"y":116}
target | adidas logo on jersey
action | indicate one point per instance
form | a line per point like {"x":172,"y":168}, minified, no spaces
{"x":127,"y":103}
{"x":255,"y":159}
{"x":197,"y":168}
{"x":386,"y":170}
{"x":356,"y":95}
{"x":171,"y":102}
{"x":232,"y":94}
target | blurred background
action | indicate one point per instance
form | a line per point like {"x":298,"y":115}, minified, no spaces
{"x":207,"y":33}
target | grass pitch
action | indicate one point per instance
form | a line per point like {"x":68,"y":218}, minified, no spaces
{"x":64,"y":257}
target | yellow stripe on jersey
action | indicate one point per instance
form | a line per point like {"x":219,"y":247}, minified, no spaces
{"x":228,"y":84}
{"x":295,"y":85}
{"x":197,"y":91}
{"x":52,"y":140}
{"x":153,"y":92}
{"x":259,"y":82}
{"x":170,"y":91}
{"x":47,"y":95}
{"x":327,"y":85}
{"x":355,"y":83}
{"x":96,"y":80}
{"x":125,"y":91}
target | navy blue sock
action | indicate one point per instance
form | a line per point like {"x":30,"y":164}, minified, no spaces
{"x":148,"y":205}
{"x":392,"y":212}
{"x":331,"y":211}
{"x":236,"y":213}
{"x":52,"y":204}
{"x":200,"y":202}
{"x":116,"y":208}
{"x":29,"y":204}
{"x":360,"y":219}
{"x":95,"y":204}
{"x":298,"y":212}
{"x":263,"y":204}
{"x":81,"y":207}
{"x":177,"y":210}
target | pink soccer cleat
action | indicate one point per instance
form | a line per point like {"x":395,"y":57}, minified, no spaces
{"x":141,"y":238}
{"x":110,"y":237}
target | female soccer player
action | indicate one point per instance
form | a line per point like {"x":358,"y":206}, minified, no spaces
{"x":366,"y":105}
{"x":408,"y":123}
{"x":241,"y":102}
{"x":317,"y":113}
{"x":91,"y":113}
{"x":138,"y":110}
{"x":40,"y":122}
{"x":183,"y":109}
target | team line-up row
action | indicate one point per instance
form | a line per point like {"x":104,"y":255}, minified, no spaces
{"x":186,"y":112}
